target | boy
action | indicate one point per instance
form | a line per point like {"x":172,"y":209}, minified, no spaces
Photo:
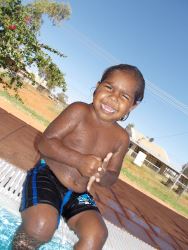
{"x":83,"y":144}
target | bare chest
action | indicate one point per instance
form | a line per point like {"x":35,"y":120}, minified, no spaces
{"x":89,"y":139}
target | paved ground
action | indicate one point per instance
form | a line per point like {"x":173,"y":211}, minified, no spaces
{"x":122,"y":205}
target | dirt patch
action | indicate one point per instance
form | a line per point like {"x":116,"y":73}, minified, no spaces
{"x":39,"y":103}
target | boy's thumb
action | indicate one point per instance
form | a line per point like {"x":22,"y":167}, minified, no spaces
{"x":108,"y":157}
{"x":106,"y":160}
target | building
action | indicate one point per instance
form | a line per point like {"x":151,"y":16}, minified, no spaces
{"x":155,"y":154}
{"x":155,"y":157}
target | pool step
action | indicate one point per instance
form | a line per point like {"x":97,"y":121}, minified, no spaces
{"x":11,"y":180}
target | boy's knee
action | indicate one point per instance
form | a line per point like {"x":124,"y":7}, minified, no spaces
{"x":35,"y":233}
{"x":40,"y":222}
{"x":42,"y":233}
{"x":22,"y":240}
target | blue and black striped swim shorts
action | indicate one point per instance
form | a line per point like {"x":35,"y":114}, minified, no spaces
{"x":42,"y":186}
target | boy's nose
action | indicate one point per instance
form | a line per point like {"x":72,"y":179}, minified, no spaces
{"x":114,"y":96}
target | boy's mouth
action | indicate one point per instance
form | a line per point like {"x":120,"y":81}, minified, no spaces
{"x":107,"y":108}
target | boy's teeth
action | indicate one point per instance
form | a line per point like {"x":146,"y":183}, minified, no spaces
{"x":108,"y":108}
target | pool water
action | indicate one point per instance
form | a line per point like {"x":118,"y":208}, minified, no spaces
{"x":8,"y":225}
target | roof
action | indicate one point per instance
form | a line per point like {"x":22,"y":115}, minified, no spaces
{"x":149,"y":146}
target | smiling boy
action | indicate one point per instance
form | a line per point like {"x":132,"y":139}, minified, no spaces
{"x":85,"y":140}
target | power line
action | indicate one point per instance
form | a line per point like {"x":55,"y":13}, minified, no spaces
{"x":92,"y":45}
{"x":170,"y":97}
{"x":167,"y":97}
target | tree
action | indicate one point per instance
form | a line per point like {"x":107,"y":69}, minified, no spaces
{"x":129,"y":128}
{"x":130,"y":125}
{"x":62,"y":97}
{"x":19,"y":47}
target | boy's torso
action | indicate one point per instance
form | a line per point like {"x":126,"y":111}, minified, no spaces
{"x":88,"y":137}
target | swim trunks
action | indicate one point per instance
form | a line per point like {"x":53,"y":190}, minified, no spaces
{"x":42,"y":186}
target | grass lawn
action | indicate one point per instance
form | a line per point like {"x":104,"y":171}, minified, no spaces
{"x":148,"y":180}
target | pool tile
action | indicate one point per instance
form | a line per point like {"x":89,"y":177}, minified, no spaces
{"x":136,"y":230}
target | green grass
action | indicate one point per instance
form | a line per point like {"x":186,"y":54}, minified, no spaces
{"x":12,"y":99}
{"x":150,"y":181}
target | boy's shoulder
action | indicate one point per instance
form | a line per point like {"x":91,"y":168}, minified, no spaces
{"x":79,"y":105}
{"x":76,"y":110}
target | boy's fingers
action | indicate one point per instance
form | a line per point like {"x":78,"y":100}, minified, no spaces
{"x":97,"y":178}
{"x":106,"y":160}
{"x":108,"y":157}
{"x":90,"y":182}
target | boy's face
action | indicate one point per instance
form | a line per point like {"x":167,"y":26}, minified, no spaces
{"x":114,"y":97}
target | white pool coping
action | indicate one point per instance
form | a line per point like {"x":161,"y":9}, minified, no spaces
{"x":11,"y":180}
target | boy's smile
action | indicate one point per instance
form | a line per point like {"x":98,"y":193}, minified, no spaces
{"x":107,"y":108}
{"x":114,"y":97}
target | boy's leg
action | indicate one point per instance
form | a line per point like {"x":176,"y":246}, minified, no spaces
{"x":90,"y":229}
{"x":39,"y":208}
{"x":38,"y":226}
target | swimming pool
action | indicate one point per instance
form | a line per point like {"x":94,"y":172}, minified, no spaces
{"x":8,"y":225}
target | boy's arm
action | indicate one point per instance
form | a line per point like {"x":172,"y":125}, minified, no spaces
{"x":111,"y":169}
{"x":51,"y":143}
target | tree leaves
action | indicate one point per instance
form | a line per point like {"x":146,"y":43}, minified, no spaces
{"x":19,"y":46}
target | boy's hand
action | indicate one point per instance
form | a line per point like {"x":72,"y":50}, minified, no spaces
{"x":101,"y":170}
{"x":91,"y":165}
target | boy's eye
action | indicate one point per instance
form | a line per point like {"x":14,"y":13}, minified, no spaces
{"x":108,"y":86}
{"x":126,"y":97}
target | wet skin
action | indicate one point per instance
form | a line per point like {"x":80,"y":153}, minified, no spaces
{"x":75,"y":144}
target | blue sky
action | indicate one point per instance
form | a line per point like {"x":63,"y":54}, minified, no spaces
{"x":151,"y":34}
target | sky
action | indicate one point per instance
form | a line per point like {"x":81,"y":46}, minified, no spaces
{"x":150,"y":34}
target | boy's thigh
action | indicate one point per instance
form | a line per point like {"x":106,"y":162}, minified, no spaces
{"x":40,"y":220}
{"x":88,"y":224}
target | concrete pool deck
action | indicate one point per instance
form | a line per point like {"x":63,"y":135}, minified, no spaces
{"x":122,"y":205}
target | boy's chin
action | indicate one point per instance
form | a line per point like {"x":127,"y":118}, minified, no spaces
{"x":108,"y":118}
